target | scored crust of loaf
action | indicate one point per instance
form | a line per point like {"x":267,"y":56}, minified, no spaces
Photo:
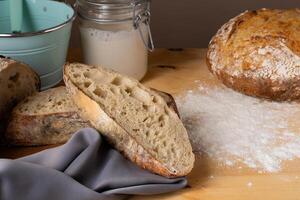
{"x":102,"y":97}
{"x":258,"y":53}
{"x":48,"y":117}
{"x":17,"y":81}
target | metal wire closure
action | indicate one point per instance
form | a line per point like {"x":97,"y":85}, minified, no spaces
{"x":137,"y":11}
{"x":143,"y":17}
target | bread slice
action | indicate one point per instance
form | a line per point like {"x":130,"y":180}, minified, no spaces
{"x":170,"y":101}
{"x":136,"y":120}
{"x":48,"y":117}
{"x":17,"y":80}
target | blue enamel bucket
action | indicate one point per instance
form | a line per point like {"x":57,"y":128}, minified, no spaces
{"x":43,"y":40}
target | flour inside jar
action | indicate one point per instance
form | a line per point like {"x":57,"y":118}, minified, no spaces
{"x":116,"y":34}
{"x":119,"y":49}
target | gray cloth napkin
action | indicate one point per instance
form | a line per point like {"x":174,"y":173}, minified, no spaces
{"x":85,"y":168}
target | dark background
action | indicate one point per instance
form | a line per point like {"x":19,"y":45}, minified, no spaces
{"x":191,"y":23}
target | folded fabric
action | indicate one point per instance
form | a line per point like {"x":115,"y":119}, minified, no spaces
{"x":85,"y":168}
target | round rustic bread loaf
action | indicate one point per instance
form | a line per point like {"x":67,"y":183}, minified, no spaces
{"x":257,"y":53}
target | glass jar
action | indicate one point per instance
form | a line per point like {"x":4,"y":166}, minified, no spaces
{"x":116,"y":34}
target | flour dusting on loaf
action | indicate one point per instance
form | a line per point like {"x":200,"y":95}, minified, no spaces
{"x":257,"y":53}
{"x":222,"y":35}
{"x":280,"y":62}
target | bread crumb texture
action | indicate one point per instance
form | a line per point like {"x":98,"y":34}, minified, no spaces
{"x":51,"y":101}
{"x":142,"y":113}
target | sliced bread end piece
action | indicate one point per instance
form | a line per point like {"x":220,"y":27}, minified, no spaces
{"x":135,"y":119}
{"x":17,"y":81}
{"x":48,"y":117}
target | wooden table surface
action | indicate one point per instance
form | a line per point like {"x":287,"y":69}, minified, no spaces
{"x":176,"y":71}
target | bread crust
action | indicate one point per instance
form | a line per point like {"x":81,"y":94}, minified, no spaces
{"x":29,"y":129}
{"x":257,"y":53}
{"x":117,"y":136}
{"x":34,"y":130}
{"x":169,"y":100}
{"x":122,"y":140}
{"x":14,"y":87}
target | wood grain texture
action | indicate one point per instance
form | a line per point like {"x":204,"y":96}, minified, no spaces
{"x":208,"y":180}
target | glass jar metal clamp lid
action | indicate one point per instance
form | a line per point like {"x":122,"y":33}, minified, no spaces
{"x":118,"y":11}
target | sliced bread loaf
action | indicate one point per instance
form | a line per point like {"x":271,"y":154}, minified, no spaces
{"x":136,"y":120}
{"x":17,"y":80}
{"x":48,"y":117}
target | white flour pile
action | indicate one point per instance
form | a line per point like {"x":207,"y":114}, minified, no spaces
{"x":232,"y":127}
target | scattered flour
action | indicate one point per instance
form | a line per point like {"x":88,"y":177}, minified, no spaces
{"x":231,"y":128}
{"x":249,"y":184}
